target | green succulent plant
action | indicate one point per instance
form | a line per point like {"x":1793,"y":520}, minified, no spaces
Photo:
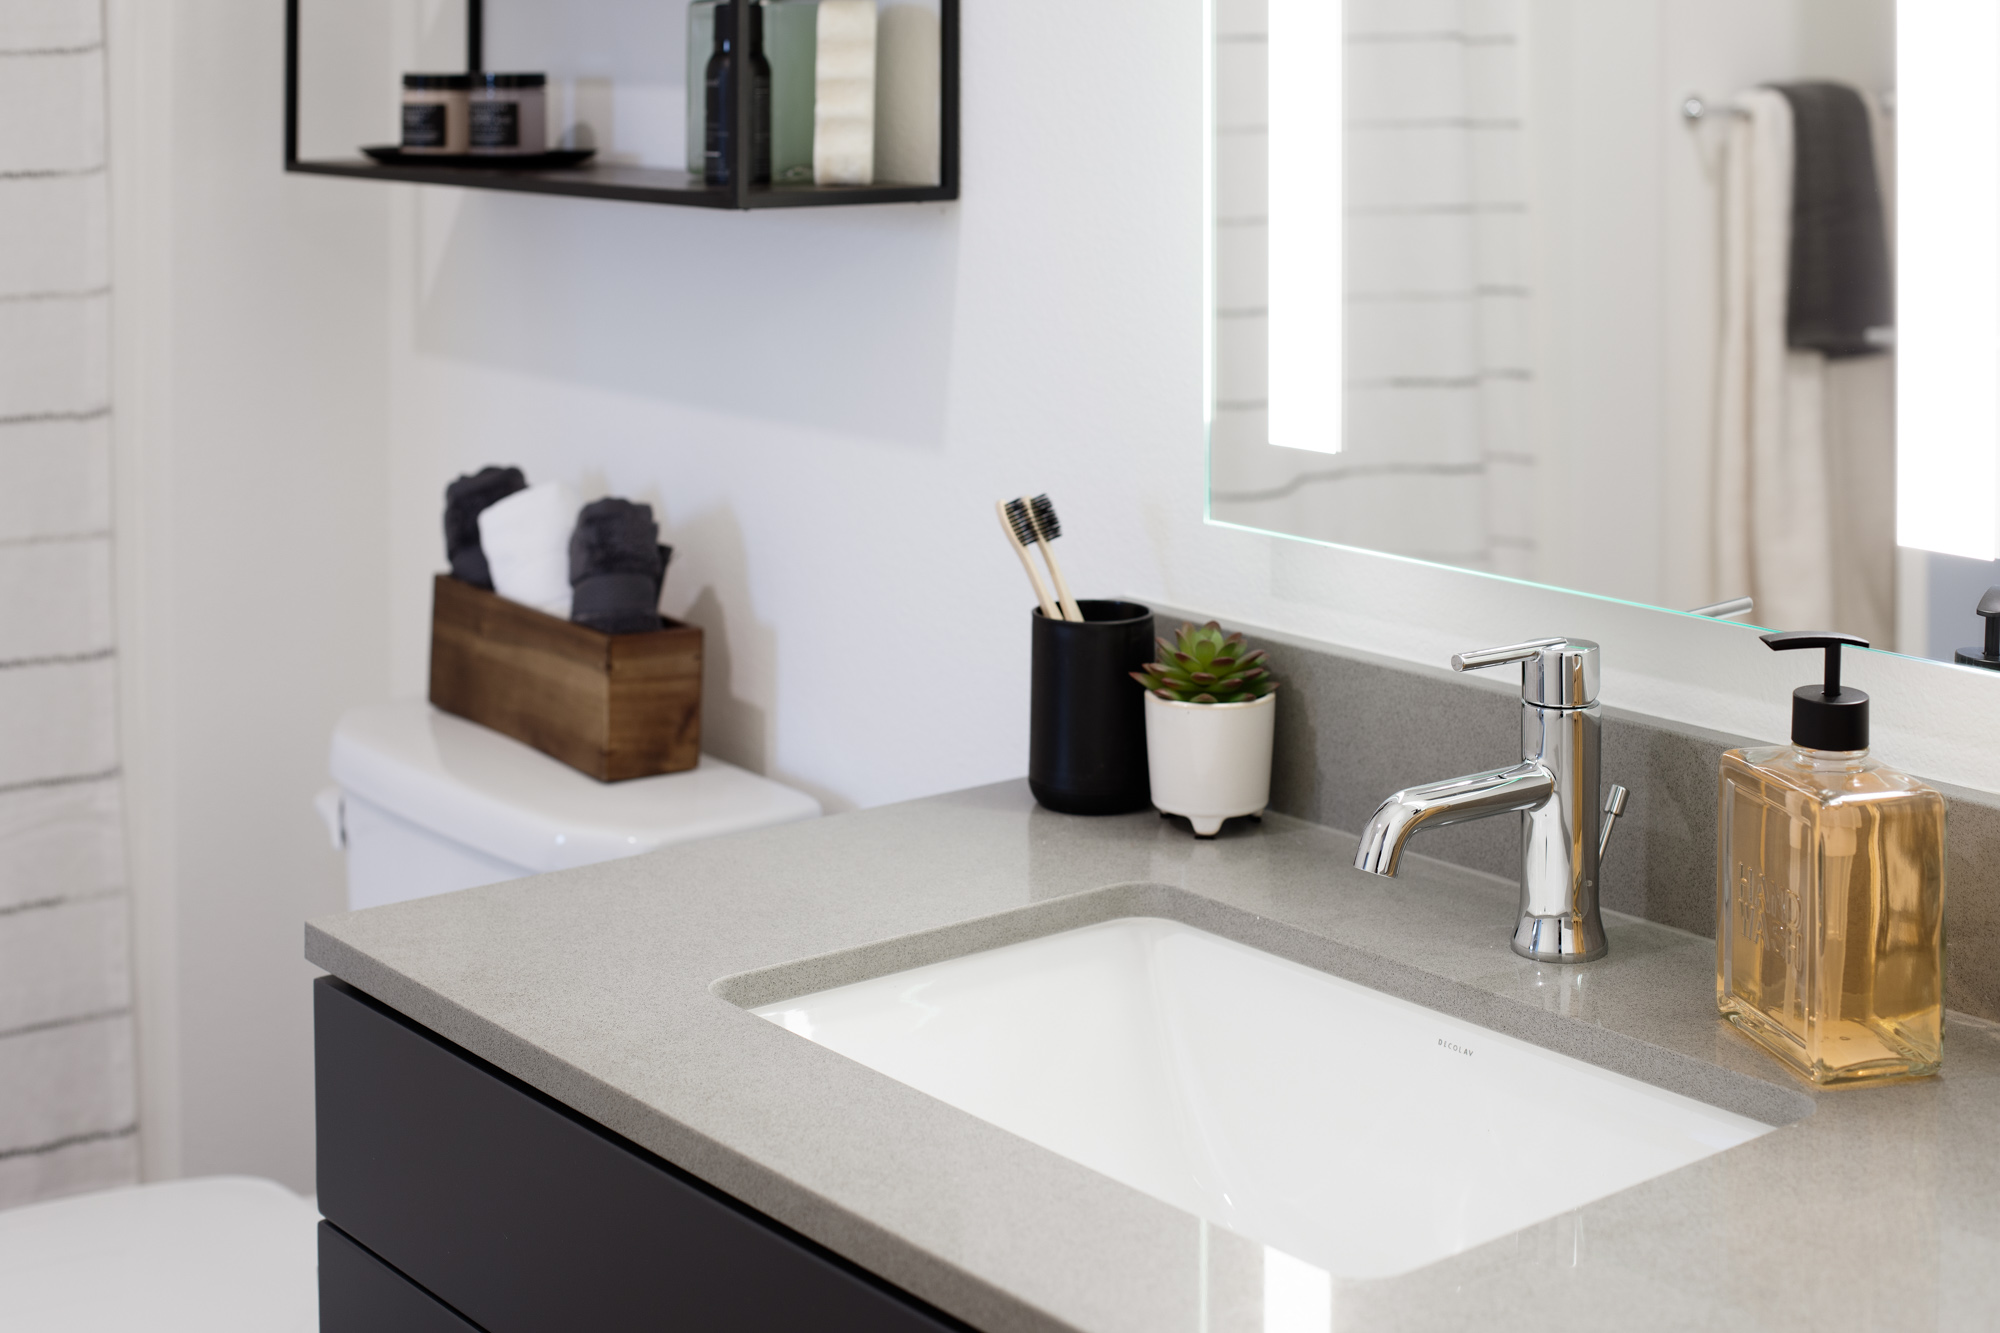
{"x":1206,"y":667}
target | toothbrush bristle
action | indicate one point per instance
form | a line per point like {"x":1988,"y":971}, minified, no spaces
{"x":1024,"y":527}
{"x":1045,"y":518}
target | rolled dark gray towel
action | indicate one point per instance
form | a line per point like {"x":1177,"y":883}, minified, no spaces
{"x":1841,"y":299}
{"x":616,"y":567}
{"x":464,"y":500}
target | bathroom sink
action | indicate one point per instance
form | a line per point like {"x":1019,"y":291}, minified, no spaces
{"x":1358,"y":1132}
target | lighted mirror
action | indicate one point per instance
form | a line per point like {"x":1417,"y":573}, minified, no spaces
{"x":1690,"y":304}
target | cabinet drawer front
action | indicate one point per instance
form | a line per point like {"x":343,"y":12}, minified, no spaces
{"x":525,"y":1217}
{"x":358,"y":1293}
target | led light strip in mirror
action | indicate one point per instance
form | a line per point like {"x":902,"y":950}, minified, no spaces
{"x":1306,"y":306}
{"x":1948,"y":278}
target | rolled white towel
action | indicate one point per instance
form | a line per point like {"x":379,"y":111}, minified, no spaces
{"x":526,"y":540}
{"x":844,"y":94}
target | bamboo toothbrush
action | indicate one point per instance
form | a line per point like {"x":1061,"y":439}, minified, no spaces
{"x":1041,"y":517}
{"x":1008,"y":526}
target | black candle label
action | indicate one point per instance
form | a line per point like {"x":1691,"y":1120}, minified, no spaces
{"x":496,"y":125}
{"x":423,"y":126}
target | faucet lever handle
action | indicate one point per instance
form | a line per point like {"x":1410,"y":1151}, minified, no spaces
{"x":1513,"y":652}
{"x":1555,"y":673}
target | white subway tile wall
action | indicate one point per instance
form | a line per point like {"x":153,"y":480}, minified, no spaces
{"x":76,"y":1100}
{"x":59,"y":724}
{"x":58,"y":480}
{"x":68,"y":1116}
{"x":1436,"y":457}
{"x":51,"y":25}
{"x":52,"y":110}
{"x":57,"y":596}
{"x":56,"y":350}
{"x":56,"y":843}
{"x":54,"y":232}
{"x":49,"y":957}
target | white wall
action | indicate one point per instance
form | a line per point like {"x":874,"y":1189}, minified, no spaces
{"x":252,"y":485}
{"x":822,"y":405}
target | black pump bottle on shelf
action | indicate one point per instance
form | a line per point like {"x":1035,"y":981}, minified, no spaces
{"x":725,"y":66}
{"x":1988,"y":655}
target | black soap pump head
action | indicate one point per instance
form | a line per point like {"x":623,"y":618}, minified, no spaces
{"x":1825,"y":716}
{"x":1989,"y":657}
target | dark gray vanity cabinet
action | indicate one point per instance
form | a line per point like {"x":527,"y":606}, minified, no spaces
{"x":459,"y":1199}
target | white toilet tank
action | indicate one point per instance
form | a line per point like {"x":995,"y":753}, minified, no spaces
{"x":427,"y":803}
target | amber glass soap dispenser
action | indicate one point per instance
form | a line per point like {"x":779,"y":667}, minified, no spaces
{"x":1829,"y":938}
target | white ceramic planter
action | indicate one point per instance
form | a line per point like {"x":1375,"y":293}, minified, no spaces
{"x":1210,"y":762}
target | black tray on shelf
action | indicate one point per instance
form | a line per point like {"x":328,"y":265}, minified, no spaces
{"x":389,"y":155}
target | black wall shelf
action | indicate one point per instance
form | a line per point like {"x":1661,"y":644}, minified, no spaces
{"x":644,"y":185}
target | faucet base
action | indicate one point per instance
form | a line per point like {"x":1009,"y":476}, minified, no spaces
{"x":1560,"y":939}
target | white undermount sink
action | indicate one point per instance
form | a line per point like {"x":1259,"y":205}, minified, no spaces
{"x":1358,"y":1132}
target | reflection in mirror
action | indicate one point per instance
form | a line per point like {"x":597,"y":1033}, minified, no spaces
{"x":1596,"y":293}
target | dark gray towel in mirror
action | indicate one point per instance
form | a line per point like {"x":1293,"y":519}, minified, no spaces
{"x":1840,"y":285}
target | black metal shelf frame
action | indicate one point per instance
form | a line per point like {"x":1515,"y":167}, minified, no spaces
{"x":646,"y":185}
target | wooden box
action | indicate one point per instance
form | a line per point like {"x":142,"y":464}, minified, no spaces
{"x":614,"y":706}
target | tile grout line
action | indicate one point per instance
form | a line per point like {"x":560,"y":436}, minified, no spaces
{"x":31,"y":51}
{"x":1427,"y":38}
{"x":66,"y":780}
{"x":51,"y":173}
{"x":71,"y":1141}
{"x":57,"y":1024}
{"x":37,"y":418}
{"x":84,"y":294}
{"x":1352,"y":472}
{"x":57,"y":538}
{"x":60,"y":659}
{"x":44,"y":904}
{"x":1439,"y":123}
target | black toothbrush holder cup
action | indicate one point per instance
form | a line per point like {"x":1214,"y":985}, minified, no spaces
{"x":1087,"y":724}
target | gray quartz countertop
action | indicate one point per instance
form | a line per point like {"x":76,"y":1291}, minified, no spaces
{"x":618,"y":989}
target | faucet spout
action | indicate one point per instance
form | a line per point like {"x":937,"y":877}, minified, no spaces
{"x":1526,"y":786}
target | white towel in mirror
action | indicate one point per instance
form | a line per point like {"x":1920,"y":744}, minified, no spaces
{"x":1773,"y":536}
{"x":1803,"y":507}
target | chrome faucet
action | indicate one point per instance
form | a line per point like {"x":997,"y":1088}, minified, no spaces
{"x":1554,"y":787}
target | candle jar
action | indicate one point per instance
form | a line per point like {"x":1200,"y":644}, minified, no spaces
{"x":509,"y":114}
{"x":435,"y":112}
